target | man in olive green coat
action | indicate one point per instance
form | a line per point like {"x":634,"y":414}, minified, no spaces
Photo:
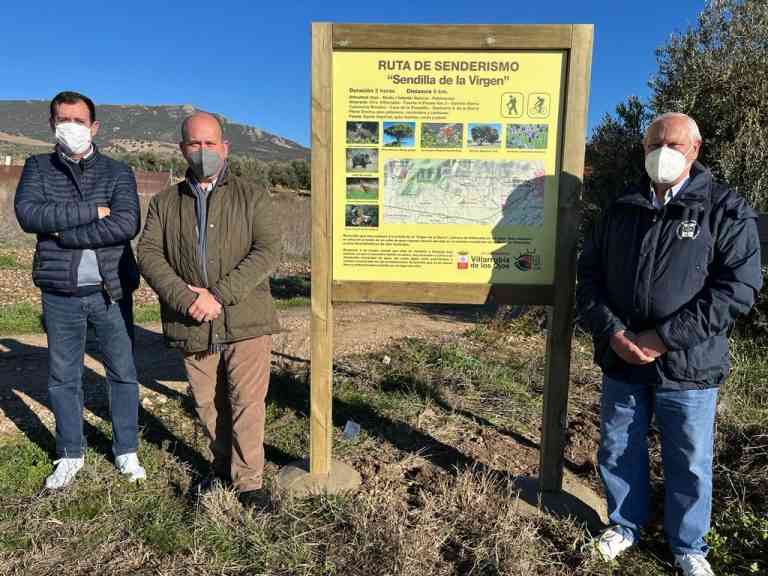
{"x":208,"y":248}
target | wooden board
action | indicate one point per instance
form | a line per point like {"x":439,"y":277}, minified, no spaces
{"x":452,"y":37}
{"x":410,"y":292}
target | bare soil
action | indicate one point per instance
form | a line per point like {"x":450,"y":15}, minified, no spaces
{"x":359,"y":328}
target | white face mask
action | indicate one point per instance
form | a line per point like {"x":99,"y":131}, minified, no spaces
{"x":665,"y":165}
{"x":73,"y":137}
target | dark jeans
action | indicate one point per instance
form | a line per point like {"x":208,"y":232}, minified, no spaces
{"x":66,"y":321}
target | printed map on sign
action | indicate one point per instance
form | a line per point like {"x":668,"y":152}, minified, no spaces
{"x":487,"y":192}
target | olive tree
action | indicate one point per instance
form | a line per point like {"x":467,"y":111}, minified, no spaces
{"x":717,"y":73}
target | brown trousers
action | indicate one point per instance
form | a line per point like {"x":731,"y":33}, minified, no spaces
{"x":229,"y":390}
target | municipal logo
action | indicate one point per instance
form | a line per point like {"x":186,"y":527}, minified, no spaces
{"x":463,"y":261}
{"x":528,"y":261}
{"x":688,"y":229}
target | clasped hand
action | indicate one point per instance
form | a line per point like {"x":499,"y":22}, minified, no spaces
{"x":205,"y":308}
{"x":638,"y":349}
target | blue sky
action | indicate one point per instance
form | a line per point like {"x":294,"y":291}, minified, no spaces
{"x":250,"y":61}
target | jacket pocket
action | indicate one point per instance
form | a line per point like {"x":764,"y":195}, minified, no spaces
{"x":175,"y":328}
{"x":706,"y":362}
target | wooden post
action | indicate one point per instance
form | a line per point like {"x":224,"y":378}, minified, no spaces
{"x":321,"y":324}
{"x":558,"y":353}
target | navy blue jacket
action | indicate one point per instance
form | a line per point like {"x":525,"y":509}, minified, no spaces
{"x":59,"y":202}
{"x":688,"y":270}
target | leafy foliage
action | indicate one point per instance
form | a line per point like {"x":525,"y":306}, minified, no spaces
{"x":615,"y":153}
{"x":294,"y":174}
{"x":717,"y":73}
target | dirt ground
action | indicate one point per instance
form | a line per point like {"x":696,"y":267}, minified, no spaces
{"x":358,"y":328}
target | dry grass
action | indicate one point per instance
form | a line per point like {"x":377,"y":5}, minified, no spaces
{"x":447,"y":427}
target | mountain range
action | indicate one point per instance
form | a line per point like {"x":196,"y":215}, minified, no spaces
{"x":138,"y":128}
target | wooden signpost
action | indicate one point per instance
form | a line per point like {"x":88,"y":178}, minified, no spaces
{"x":489,"y":123}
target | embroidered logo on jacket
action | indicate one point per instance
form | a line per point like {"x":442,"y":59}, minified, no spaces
{"x":688,"y":229}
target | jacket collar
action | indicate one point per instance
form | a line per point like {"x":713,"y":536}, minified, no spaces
{"x":696,"y":192}
{"x":86,"y":162}
{"x":222,"y":180}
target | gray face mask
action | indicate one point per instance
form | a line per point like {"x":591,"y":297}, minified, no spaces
{"x":205,"y":163}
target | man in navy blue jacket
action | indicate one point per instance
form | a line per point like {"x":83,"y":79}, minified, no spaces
{"x":665,"y":273}
{"x":84,"y":208}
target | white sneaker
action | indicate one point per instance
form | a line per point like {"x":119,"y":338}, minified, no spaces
{"x":128,"y":465}
{"x":693,"y":565}
{"x":612,"y":543}
{"x":66,"y":469}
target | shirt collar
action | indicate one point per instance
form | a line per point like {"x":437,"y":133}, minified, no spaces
{"x":670,"y":194}
{"x":204,"y":186}
{"x":88,"y":154}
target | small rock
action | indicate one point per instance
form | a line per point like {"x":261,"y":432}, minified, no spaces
{"x":386,"y":360}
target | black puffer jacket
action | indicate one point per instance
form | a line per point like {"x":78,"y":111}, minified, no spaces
{"x":59,"y":203}
{"x":688,"y":270}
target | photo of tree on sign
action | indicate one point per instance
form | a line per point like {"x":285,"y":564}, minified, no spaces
{"x":363,"y":132}
{"x":527,"y":136}
{"x":357,"y":215}
{"x":399,"y":134}
{"x":362,"y":160}
{"x":442,"y":135}
{"x":485,"y":135}
{"x":362,"y":188}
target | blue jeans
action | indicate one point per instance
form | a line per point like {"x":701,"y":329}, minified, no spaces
{"x":66,"y":320}
{"x":686,"y":419}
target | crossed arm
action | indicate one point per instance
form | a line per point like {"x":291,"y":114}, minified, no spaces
{"x":78,"y":224}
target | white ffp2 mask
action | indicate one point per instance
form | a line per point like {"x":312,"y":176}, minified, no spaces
{"x":665,"y":165}
{"x":73,"y":137}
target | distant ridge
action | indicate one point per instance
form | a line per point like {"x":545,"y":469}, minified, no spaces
{"x":138,"y":128}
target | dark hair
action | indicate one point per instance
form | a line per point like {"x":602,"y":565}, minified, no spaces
{"x":72,"y":98}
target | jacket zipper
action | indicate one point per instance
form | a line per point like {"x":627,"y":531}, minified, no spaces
{"x":656,"y":223}
{"x":78,"y":255}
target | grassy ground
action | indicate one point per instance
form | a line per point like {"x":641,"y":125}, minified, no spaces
{"x":447,"y":427}
{"x":26,"y":318}
{"x":20,"y":309}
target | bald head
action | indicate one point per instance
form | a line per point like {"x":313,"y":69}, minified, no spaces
{"x":676,"y":121}
{"x":205,"y":120}
{"x":201,"y":134}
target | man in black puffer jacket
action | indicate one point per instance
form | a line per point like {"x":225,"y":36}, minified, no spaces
{"x":662,"y":278}
{"x":84,"y":208}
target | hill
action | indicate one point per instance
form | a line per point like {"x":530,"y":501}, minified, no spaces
{"x":137,"y":128}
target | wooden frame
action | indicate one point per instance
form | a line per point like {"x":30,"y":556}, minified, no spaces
{"x":576,"y":42}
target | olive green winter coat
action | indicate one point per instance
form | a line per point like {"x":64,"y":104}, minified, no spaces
{"x":243,"y":249}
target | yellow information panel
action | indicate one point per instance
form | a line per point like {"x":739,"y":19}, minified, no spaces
{"x":445,"y":166}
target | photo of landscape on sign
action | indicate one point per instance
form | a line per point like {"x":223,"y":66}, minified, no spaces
{"x":399,"y":134}
{"x":442,"y":135}
{"x":484,"y":135}
{"x":527,"y":136}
